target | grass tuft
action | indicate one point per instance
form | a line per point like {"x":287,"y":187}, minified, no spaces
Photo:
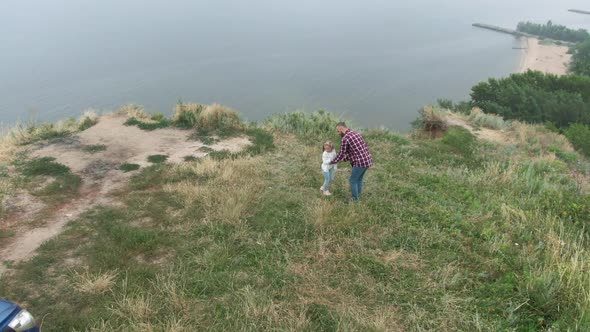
{"x":93,"y":284}
{"x":129,"y":167}
{"x":94,"y":148}
{"x":43,"y":166}
{"x":157,"y":158}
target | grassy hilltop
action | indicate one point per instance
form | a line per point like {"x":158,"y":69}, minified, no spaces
{"x":473,"y":224}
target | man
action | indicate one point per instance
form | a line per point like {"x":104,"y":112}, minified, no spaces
{"x":355,"y":150}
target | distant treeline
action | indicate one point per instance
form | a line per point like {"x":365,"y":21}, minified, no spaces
{"x":562,"y":103}
{"x":552,"y":31}
{"x":536,"y":97}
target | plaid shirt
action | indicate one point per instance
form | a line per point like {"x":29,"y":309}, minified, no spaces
{"x":354,"y":149}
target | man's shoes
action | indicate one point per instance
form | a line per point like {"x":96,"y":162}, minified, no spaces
{"x":327,"y":193}
{"x":322,"y":189}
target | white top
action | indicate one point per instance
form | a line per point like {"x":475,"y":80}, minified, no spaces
{"x":327,"y":157}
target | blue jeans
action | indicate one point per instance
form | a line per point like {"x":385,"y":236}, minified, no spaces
{"x":356,"y":181}
{"x":328,"y":177}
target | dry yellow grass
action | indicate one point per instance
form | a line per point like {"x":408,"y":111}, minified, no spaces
{"x":89,"y":283}
{"x":231,"y":189}
{"x":217,"y":116}
{"x":133,"y":111}
{"x":527,"y":134}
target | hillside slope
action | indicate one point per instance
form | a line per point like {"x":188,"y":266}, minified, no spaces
{"x":453,"y":233}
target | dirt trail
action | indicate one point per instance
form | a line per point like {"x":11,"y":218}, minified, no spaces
{"x":100,"y":174}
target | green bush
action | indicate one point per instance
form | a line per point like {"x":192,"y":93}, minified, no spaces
{"x":579,"y":136}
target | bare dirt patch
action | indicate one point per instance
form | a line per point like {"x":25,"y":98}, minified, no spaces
{"x":99,"y":172}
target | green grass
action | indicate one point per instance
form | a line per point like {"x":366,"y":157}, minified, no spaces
{"x":62,"y":186}
{"x":450,"y":235}
{"x":127,"y":167}
{"x":157,"y":158}
{"x":43,"y":166}
{"x":94,"y":148}
{"x":156,"y":123}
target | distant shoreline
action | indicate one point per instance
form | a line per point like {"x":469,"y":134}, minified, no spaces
{"x":547,"y":58}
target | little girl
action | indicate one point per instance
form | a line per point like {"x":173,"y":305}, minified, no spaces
{"x":327,"y":169}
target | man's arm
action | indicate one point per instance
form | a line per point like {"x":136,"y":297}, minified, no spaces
{"x":342,"y":153}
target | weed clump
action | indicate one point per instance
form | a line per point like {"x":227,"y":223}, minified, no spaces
{"x":157,"y":121}
{"x":492,"y":121}
{"x":430,"y":122}
{"x":216,"y":117}
{"x":94,"y":148}
{"x":133,"y":111}
{"x":43,"y":166}
{"x":88,"y":119}
{"x":186,"y":115}
{"x":129,"y":167}
{"x":157,"y":158}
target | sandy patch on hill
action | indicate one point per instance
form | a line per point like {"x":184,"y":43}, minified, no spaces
{"x":100,"y":174}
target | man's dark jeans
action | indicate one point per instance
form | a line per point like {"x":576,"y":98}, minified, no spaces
{"x":356,"y":182}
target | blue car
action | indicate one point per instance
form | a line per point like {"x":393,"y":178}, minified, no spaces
{"x":14,"y":319}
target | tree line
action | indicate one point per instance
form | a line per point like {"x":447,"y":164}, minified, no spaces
{"x":562,"y":103}
{"x":554,"y":31}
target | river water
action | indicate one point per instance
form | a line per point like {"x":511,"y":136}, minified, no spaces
{"x":373,"y":61}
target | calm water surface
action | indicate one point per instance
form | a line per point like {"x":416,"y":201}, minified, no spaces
{"x":374,"y":61}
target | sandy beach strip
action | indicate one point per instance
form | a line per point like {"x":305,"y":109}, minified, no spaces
{"x":547,"y":58}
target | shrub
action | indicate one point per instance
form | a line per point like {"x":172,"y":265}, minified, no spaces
{"x":579,"y":136}
{"x":216,"y":117}
{"x":431,"y":120}
{"x":187,"y":115}
{"x":480,"y":119}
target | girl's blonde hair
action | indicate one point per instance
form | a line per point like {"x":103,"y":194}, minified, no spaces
{"x":329,"y":143}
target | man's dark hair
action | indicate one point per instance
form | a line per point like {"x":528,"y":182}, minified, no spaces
{"x":341,"y":124}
